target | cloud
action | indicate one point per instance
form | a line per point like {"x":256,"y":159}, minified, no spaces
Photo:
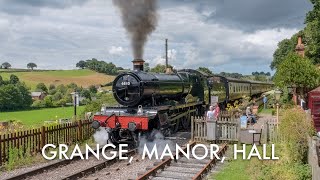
{"x":249,"y":15}
{"x":222,"y":35}
{"x":116,"y":50}
{"x":33,"y":7}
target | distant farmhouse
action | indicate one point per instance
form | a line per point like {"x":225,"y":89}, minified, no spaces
{"x":38,"y":95}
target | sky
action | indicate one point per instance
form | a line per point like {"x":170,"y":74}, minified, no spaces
{"x":222,"y":35}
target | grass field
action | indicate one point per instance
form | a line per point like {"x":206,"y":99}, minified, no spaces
{"x":37,"y":117}
{"x":82,"y":78}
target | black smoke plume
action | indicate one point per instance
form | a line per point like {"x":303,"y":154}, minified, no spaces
{"x":139,"y":17}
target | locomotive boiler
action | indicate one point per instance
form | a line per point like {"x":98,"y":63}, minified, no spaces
{"x":162,"y":101}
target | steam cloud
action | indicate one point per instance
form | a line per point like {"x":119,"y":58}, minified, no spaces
{"x":101,"y":136}
{"x":139,"y":17}
{"x":158,"y":140}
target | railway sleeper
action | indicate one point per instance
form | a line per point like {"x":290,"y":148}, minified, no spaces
{"x":182,"y":169}
{"x":193,"y":161}
{"x":175,"y":175}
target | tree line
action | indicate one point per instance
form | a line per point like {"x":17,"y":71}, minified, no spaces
{"x":57,"y":96}
{"x":293,"y":69}
{"x":99,"y":66}
{"x":7,"y":65}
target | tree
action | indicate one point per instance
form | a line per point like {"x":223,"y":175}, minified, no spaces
{"x":312,"y":34}
{"x":146,"y":67}
{"x":6,"y":65}
{"x":31,"y":65}
{"x":52,"y":86}
{"x":102,"y":66}
{"x":42,"y":87}
{"x":285,"y":47}
{"x":298,"y":71}
{"x":13,"y":79}
{"x":159,"y":68}
{"x":48,"y":101}
{"x":86,"y":93}
{"x":1,"y":81}
{"x":14,"y":97}
{"x":81,"y":64}
{"x":205,"y":70}
{"x":72,"y":86}
{"x":93,"y":89}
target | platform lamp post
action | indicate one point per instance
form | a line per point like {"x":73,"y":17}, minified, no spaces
{"x":75,"y":95}
{"x":277,"y":95}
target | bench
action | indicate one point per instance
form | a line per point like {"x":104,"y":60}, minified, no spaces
{"x":254,"y":134}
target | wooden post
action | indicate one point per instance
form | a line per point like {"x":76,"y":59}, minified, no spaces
{"x":192,"y":128}
{"x":79,"y":130}
{"x":239,"y":129}
{"x":268,"y":132}
{"x":0,"y":150}
{"x":43,"y":136}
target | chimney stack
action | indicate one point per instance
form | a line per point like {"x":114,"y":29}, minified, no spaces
{"x":300,"y":47}
{"x":138,"y":64}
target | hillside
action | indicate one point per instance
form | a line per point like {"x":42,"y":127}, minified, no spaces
{"x":82,"y":78}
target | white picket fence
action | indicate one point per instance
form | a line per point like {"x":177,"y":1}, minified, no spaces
{"x":227,"y":128}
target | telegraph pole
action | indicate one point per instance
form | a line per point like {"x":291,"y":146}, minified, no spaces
{"x":75,"y":104}
{"x":166,"y":48}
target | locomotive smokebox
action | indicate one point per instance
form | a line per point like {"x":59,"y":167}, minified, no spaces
{"x":138,"y":64}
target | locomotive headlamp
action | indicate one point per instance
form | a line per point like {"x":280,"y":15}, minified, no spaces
{"x":132,"y":126}
{"x":95,"y":124}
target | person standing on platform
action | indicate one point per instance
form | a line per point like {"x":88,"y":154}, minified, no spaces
{"x":216,"y":111}
{"x":302,"y":103}
{"x":265,"y":100}
{"x":210,"y":114}
{"x":211,"y":124}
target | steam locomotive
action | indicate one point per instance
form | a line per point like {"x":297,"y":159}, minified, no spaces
{"x":163,"y":101}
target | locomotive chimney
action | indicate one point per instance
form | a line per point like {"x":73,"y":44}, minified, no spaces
{"x":138,"y":64}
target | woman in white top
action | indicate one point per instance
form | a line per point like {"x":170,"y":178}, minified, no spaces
{"x":210,"y":113}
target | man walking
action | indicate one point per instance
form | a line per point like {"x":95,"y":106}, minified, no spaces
{"x":265,"y":100}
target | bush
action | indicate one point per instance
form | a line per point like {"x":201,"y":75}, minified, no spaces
{"x":38,"y":104}
{"x":295,"y":128}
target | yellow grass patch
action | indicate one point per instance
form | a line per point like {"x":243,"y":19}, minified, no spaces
{"x":82,"y":78}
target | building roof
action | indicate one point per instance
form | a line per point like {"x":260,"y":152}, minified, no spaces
{"x":36,"y":94}
{"x":315,"y":90}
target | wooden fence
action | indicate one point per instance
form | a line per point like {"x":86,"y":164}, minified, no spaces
{"x":272,"y":130}
{"x":32,"y":141}
{"x":227,"y":128}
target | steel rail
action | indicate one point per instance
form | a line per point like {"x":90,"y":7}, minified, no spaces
{"x":162,"y":165}
{"x":209,"y":165}
{"x":167,"y":162}
{"x":98,"y":167}
{"x":40,"y":170}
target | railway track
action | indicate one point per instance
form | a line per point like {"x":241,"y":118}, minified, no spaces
{"x":95,"y":168}
{"x":183,"y":168}
{"x":56,"y":165}
{"x":77,"y":168}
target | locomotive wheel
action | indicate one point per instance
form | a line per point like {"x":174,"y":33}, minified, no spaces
{"x":185,"y":122}
{"x":114,"y":138}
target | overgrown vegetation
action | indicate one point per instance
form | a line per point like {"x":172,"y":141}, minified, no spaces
{"x":14,"y":94}
{"x":95,"y":106}
{"x":291,"y":148}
